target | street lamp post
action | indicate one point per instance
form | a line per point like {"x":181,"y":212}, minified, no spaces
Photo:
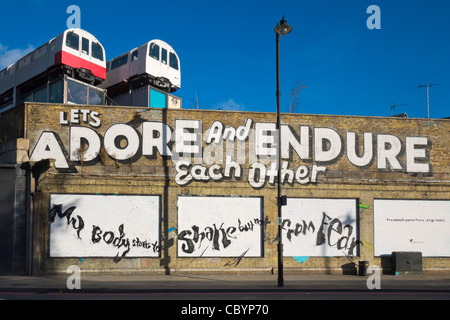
{"x":281,"y":29}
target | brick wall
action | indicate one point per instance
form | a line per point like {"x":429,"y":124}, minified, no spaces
{"x":134,"y":166}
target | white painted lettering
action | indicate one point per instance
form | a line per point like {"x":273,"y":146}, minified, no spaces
{"x":388,"y":148}
{"x":413,"y":153}
{"x":242,"y":132}
{"x":352,"y":147}
{"x":188,"y":138}
{"x":265,"y":134}
{"x":95,"y":119}
{"x":215,"y":132}
{"x":47,"y":147}
{"x":115,"y":135}
{"x":322,"y":152}
{"x":156,"y":135}
{"x":63,"y":118}
{"x":84,"y":152}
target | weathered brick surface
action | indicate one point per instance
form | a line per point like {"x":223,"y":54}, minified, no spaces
{"x":145,"y":175}
{"x":12,"y":124}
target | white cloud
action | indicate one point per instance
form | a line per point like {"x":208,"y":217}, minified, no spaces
{"x":230,"y":105}
{"x":9,"y":56}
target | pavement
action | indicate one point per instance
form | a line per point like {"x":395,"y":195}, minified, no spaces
{"x":93,"y":282}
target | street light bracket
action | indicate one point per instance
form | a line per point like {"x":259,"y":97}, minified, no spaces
{"x":283,"y":28}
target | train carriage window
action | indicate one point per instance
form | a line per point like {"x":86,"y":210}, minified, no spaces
{"x":38,"y":53}
{"x":173,"y":61}
{"x":72,"y":40}
{"x":85,"y":45}
{"x":154,"y":51}
{"x":163,"y":55}
{"x":119,"y":62}
{"x":134,"y":55}
{"x":97,"y":51}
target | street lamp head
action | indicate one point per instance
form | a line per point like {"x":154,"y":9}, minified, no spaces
{"x":283,"y":28}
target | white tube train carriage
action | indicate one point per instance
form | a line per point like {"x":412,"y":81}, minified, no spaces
{"x":75,"y":53}
{"x":154,"y":63}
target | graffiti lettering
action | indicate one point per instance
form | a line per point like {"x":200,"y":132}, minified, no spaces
{"x":147,"y":244}
{"x":249,"y":225}
{"x":335,"y":226}
{"x":106,"y":226}
{"x":110,"y":238}
{"x":300,"y":228}
{"x":331,"y":232}
{"x":77,"y":223}
{"x":217,"y":236}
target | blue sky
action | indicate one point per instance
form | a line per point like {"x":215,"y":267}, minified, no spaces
{"x":227,"y":49}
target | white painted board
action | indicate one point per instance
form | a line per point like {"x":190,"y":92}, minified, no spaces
{"x":319,"y":227}
{"x":412,"y":225}
{"x":104,"y":226}
{"x":226,"y":227}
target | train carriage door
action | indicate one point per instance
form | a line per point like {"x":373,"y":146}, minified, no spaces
{"x":154,"y":67}
{"x":134,"y":63}
{"x":164,"y":63}
{"x":164,"y":57}
{"x":70,"y":54}
{"x":174,"y":69}
{"x":85,"y":48}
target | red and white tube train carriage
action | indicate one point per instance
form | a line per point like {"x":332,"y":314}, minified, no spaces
{"x":75,"y":53}
{"x":155,"y":63}
{"x":82,"y":54}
